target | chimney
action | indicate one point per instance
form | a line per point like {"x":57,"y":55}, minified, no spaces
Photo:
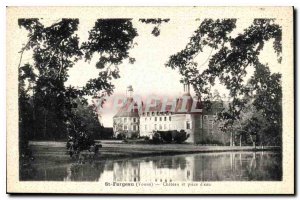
{"x":186,"y":87}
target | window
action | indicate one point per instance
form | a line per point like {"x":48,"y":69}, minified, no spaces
{"x":145,"y":118}
{"x":125,"y":120}
{"x":165,"y":126}
{"x":155,"y":126}
{"x":125,"y":127}
{"x":160,"y":119}
{"x":134,"y":128}
{"x":134,"y":119}
{"x":188,"y":125}
{"x":152,"y":113}
{"x":160,"y":127}
{"x":145,"y":127}
{"x":155,"y":118}
{"x":165,"y":118}
{"x":170,"y":118}
{"x":148,"y":114}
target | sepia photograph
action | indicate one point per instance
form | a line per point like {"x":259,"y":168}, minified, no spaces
{"x":186,"y":100}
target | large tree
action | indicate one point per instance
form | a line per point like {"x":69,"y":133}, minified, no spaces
{"x":55,"y":49}
{"x":231,"y":57}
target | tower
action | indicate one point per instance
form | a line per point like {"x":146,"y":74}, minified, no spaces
{"x":129,"y":91}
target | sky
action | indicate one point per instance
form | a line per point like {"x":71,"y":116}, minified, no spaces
{"x":148,"y":75}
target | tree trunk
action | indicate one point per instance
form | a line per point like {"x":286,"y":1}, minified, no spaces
{"x":253,"y":142}
{"x":240,"y":140}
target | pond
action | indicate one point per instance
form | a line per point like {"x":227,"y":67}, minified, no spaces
{"x":232,"y":166}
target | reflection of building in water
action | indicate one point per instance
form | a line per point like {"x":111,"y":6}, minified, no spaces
{"x":156,"y":169}
{"x":168,"y":169}
{"x":235,"y":166}
{"x":127,"y":171}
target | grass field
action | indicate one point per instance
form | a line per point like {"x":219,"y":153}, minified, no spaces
{"x":115,"y":149}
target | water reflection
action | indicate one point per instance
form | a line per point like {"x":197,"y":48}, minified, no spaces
{"x":192,"y":167}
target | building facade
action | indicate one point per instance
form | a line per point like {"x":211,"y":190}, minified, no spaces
{"x":185,"y":113}
{"x":127,"y":120}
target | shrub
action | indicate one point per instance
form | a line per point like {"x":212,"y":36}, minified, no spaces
{"x":180,"y":137}
{"x":156,"y":139}
{"x":121,"y":136}
{"x":146,"y":138}
{"x":134,"y":135}
{"x":79,"y":142}
{"x":166,"y":136}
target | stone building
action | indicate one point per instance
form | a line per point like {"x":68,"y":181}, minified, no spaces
{"x":185,"y":113}
{"x":180,"y":115}
{"x":126,"y":121}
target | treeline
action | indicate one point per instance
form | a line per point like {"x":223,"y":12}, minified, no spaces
{"x":39,"y":123}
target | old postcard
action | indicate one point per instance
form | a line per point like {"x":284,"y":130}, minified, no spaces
{"x":150,"y":100}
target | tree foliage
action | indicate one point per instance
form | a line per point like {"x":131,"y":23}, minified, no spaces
{"x":157,"y":22}
{"x":111,"y":39}
{"x":266,"y":89}
{"x":54,"y":108}
{"x":229,"y":64}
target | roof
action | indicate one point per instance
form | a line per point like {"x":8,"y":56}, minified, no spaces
{"x":180,"y":102}
{"x":129,"y":109}
{"x":185,"y":105}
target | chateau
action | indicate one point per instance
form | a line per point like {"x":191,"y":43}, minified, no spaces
{"x":185,"y":113}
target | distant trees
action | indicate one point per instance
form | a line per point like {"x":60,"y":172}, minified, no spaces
{"x":228,"y":62}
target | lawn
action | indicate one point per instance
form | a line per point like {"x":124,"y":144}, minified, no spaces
{"x":115,"y":149}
